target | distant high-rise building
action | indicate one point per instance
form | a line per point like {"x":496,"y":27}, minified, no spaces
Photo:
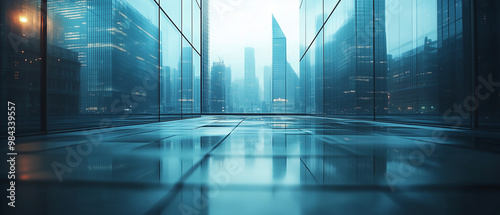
{"x":268,"y":93}
{"x":401,"y":82}
{"x":218,"y":79}
{"x":187,"y":80}
{"x":292,"y":90}
{"x":238,"y":97}
{"x":355,"y":65}
{"x":278,"y":69}
{"x":229,"y":91}
{"x":205,"y":54}
{"x":452,"y":52}
{"x":257,"y":106}
{"x":251,"y":93}
{"x":108,"y":70}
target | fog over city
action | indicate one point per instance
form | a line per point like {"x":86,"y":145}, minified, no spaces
{"x":236,"y":24}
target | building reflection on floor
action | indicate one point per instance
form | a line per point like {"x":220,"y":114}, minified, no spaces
{"x":260,"y":165}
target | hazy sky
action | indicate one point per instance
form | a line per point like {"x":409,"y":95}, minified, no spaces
{"x":236,"y":24}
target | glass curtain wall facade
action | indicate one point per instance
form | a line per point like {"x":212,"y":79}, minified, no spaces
{"x":487,"y":54}
{"x":205,"y":55}
{"x":107,"y":63}
{"x":412,"y":61}
{"x":21,"y":64}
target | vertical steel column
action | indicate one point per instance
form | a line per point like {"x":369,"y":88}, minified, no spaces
{"x":474,"y":65}
{"x":43,"y":71}
{"x":374,"y":65}
{"x":159,"y":61}
{"x":201,"y":57}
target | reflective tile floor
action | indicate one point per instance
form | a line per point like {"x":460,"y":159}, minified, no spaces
{"x":260,"y":165}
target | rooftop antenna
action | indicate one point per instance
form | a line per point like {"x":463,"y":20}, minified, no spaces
{"x":220,"y":58}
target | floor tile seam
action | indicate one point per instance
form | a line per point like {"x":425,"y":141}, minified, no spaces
{"x":170,"y":195}
{"x":314,"y":177}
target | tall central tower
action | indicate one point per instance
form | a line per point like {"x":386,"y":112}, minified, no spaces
{"x":278,"y":69}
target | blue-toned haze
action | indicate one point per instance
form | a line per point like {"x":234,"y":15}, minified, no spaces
{"x":236,"y":24}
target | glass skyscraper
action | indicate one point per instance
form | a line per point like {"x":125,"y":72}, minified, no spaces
{"x":205,"y":55}
{"x":279,"y":69}
{"x":119,"y":61}
{"x":218,"y":85}
{"x":407,"y":61}
{"x":306,"y":107}
{"x":285,"y":83}
{"x":251,"y":93}
{"x":268,"y":93}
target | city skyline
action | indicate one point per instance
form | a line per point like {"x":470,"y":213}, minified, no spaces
{"x":246,"y":24}
{"x":387,"y":65}
{"x":279,"y":92}
{"x":250,"y":106}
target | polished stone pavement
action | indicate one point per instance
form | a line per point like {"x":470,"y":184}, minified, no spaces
{"x":260,"y":165}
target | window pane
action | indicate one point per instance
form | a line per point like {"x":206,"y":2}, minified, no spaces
{"x":426,"y":68}
{"x":20,"y":64}
{"x":196,"y":84}
{"x":314,"y":77}
{"x":102,"y":63}
{"x":173,"y":10}
{"x":170,"y":77}
{"x":329,"y":6}
{"x":196,"y":26}
{"x":302,"y":26}
{"x":488,"y":47}
{"x":187,"y":19}
{"x":340,"y":63}
{"x":314,"y":18}
{"x":187,"y":79}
